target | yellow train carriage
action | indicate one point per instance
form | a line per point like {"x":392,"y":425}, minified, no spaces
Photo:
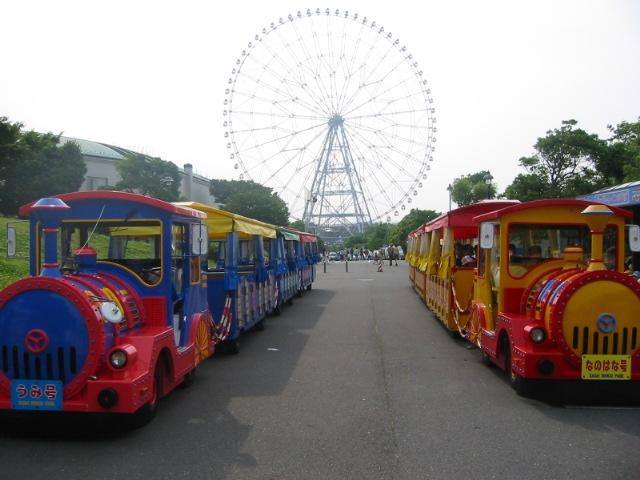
{"x":450,"y":260}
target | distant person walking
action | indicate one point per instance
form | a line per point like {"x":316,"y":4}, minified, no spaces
{"x":393,"y":254}
{"x":378,"y":258}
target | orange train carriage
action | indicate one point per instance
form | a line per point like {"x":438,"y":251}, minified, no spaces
{"x":548,"y":297}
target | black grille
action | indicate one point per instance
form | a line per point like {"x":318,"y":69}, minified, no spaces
{"x":584,"y":341}
{"x":57,"y":364}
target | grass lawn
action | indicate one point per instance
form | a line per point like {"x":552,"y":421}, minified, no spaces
{"x":12,"y":269}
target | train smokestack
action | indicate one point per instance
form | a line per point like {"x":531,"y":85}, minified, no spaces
{"x":50,"y":212}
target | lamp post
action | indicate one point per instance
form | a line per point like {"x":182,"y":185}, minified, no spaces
{"x":310,"y":203}
{"x":449,"y":189}
{"x":487,"y":181}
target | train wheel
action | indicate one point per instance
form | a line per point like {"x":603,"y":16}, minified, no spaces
{"x":148,"y":411}
{"x":232,"y":347}
{"x":309,"y":287}
{"x":518,"y":383}
{"x":189,"y":378}
{"x":486,"y":359}
{"x":259,"y":327}
{"x":277,"y":311}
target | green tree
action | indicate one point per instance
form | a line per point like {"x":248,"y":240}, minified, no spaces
{"x":251,"y":200}
{"x":377,"y":235}
{"x":409,"y":223}
{"x":472,"y":188}
{"x":149,"y":176}
{"x":625,"y":147}
{"x":356,"y":240}
{"x":526,"y":187}
{"x":565,"y":165}
{"x":298,"y":225}
{"x":34,"y":165}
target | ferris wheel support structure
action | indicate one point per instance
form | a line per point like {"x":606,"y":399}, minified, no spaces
{"x":337,"y":185}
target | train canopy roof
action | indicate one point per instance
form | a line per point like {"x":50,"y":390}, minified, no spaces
{"x":291,"y":234}
{"x":222,"y":222}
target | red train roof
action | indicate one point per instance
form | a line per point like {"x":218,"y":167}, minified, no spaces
{"x":113,"y":195}
{"x":546,"y":203}
{"x":463,"y":217}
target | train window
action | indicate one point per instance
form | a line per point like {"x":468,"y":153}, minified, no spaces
{"x":178,"y":248}
{"x":266,"y":242}
{"x":217,"y":254}
{"x":290,"y":249}
{"x":531,"y":245}
{"x":610,"y":245}
{"x":246,"y":253}
{"x":135,"y":245}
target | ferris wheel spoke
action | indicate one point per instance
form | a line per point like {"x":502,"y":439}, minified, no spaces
{"x":296,"y":101}
{"x":364,"y":72}
{"x":382,"y":189}
{"x":318,"y":76}
{"x":290,"y":135}
{"x":276,"y":115}
{"x":387,"y":160}
{"x":275,"y":89}
{"x":276,"y":55}
{"x":396,"y":112}
{"x":370,"y":74}
{"x":286,"y":162}
{"x":331,"y":63}
{"x":394,"y":136}
{"x":318,"y":108}
{"x":309,"y":56}
{"x":374,"y":98}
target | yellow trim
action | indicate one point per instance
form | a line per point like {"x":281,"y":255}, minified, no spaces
{"x":195,"y":258}
{"x":107,"y":262}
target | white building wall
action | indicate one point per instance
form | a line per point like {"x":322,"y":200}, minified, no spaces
{"x":102,"y":172}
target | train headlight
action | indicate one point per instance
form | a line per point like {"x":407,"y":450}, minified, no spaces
{"x":537,"y":335}
{"x":122,"y":356}
{"x":118,"y":359}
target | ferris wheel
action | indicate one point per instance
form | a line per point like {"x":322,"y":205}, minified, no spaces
{"x":331,"y":111}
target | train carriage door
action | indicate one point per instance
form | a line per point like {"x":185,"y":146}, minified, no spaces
{"x":178,"y":284}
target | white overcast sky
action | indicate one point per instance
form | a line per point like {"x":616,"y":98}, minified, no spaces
{"x":151,"y":75}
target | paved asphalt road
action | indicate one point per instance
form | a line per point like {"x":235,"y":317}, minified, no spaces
{"x":356,"y":380}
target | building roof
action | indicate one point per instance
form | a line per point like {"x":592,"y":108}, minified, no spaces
{"x":93,"y":149}
{"x":623,"y":195}
{"x":112,"y":152}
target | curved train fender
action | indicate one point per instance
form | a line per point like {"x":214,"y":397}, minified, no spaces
{"x":201,"y":336}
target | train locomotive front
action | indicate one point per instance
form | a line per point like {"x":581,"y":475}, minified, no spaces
{"x":112,"y":332}
{"x":552,"y":300}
